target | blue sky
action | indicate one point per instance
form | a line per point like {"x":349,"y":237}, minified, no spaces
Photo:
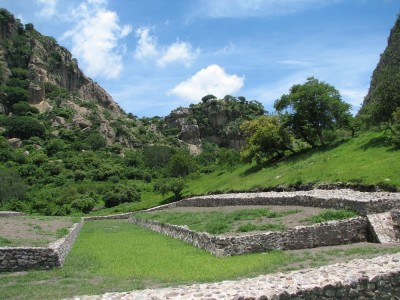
{"x":155,"y":55}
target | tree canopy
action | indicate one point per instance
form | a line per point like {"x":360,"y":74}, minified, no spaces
{"x":311,"y":108}
{"x":265,"y":137}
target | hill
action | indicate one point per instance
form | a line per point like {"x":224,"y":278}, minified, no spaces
{"x":384,"y":93}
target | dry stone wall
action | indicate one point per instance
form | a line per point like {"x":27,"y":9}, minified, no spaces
{"x":26,"y":258}
{"x":353,"y":230}
{"x":362,"y":202}
{"x":7,"y":214}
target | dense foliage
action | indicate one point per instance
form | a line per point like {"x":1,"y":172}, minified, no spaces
{"x":312,"y":108}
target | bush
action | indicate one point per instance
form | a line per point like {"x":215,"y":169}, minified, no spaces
{"x":12,"y":188}
{"x":23,"y":109}
{"x":83,"y":204}
{"x":23,"y":127}
{"x":175,"y":185}
{"x":121,"y":194}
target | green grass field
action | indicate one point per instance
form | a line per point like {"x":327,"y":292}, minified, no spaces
{"x":217,"y":222}
{"x":115,"y":255}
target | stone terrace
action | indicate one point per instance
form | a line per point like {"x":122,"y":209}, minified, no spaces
{"x":377,"y":278}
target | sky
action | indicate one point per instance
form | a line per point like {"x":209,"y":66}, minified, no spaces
{"x":153,"y":56}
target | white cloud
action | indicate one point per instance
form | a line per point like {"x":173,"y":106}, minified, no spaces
{"x":178,"y":52}
{"x":96,"y":38}
{"x":210,"y":80}
{"x":255,"y":8}
{"x":48,"y":8}
{"x":147,"y":44}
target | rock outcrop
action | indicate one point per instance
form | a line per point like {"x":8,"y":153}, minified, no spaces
{"x":213,"y":120}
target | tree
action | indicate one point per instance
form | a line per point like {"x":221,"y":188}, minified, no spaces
{"x":175,"y":185}
{"x":121,"y":194}
{"x":312,"y":108}
{"x":23,"y":127}
{"x":181,"y":165}
{"x":11,"y":186}
{"x":12,"y":95}
{"x":265,"y":137}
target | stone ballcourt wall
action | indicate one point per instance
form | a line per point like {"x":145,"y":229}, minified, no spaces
{"x":6,"y":214}
{"x":362,"y":202}
{"x":25,"y":258}
{"x":333,"y":233}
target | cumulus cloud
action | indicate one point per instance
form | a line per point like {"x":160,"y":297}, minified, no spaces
{"x":148,"y":48}
{"x":49,"y":8}
{"x":210,"y":80}
{"x":178,"y":52}
{"x":147,"y":44}
{"x":255,"y":8}
{"x":96,"y":38}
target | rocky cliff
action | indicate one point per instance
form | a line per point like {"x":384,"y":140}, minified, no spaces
{"x":53,"y":81}
{"x":213,"y":120}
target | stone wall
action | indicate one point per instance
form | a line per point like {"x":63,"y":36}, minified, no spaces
{"x":6,"y":214}
{"x":362,"y":202}
{"x":110,"y":217}
{"x":26,"y":258}
{"x":325,"y":234}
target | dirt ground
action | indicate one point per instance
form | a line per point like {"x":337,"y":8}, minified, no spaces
{"x":32,"y":231}
{"x":290,"y":221}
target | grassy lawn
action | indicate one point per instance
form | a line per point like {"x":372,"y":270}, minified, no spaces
{"x":115,"y":255}
{"x":219,"y":222}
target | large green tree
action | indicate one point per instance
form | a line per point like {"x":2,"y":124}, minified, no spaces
{"x":265,"y":137}
{"x":311,"y":108}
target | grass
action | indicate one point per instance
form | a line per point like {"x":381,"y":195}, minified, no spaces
{"x":364,"y":160}
{"x":217,"y":222}
{"x":5,"y":241}
{"x":247,"y":227}
{"x":331,"y":215}
{"x":115,"y":255}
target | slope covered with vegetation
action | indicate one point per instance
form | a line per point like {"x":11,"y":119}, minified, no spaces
{"x":67,"y":148}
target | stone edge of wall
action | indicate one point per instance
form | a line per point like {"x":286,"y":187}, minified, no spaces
{"x":302,"y":237}
{"x":288,"y":199}
{"x":7,"y":214}
{"x":54,"y":255}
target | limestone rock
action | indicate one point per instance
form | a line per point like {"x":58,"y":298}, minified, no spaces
{"x":15,"y":142}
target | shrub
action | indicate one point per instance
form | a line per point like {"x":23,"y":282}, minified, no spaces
{"x":12,"y":188}
{"x":23,"y":109}
{"x":121,"y":194}
{"x":83,"y":204}
{"x":175,"y":185}
{"x":23,"y":127}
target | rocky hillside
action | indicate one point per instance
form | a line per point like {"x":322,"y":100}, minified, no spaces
{"x":36,"y":70}
{"x":213,"y":120}
{"x":384,"y":93}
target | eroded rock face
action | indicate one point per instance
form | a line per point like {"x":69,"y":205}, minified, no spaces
{"x":182,"y":120}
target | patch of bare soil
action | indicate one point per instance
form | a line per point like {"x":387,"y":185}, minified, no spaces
{"x":32,"y":231}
